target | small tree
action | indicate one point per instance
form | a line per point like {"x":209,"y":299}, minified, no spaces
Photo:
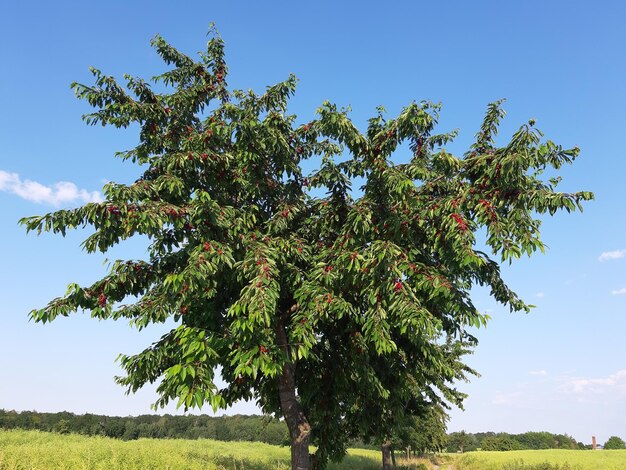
{"x":62,"y":426}
{"x":501,"y":442}
{"x":461,"y":442}
{"x":278,"y":277}
{"x":615,"y":442}
{"x":423,"y":433}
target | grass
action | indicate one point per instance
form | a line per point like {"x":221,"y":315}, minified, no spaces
{"x":34,"y":450}
{"x":39,"y":450}
{"x":550,"y":459}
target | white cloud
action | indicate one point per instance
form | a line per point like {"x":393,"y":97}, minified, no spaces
{"x":609,"y":255}
{"x":58,"y":194}
{"x":542,"y":372}
{"x":540,"y":295}
{"x":621,"y":291}
{"x":609,"y":385}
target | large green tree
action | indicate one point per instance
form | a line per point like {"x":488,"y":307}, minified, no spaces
{"x":423,"y":432}
{"x":615,"y":442}
{"x":278,"y":277}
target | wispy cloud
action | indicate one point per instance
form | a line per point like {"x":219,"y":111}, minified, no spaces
{"x":57,"y":194}
{"x":621,"y":291}
{"x":542,"y":372}
{"x":507,"y":399}
{"x":540,"y":295}
{"x":609,"y":255}
{"x":608,"y":385}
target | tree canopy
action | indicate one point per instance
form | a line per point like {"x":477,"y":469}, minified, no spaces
{"x":311,"y":296}
{"x":615,"y":442}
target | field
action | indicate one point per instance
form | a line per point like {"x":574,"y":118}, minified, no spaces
{"x":39,"y":450}
{"x":531,"y":460}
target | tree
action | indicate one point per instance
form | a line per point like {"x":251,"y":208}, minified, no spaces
{"x":62,"y":426}
{"x":615,"y":442}
{"x":461,"y":442}
{"x":412,"y":412}
{"x":423,"y":433}
{"x":501,"y":442}
{"x":279,"y":277}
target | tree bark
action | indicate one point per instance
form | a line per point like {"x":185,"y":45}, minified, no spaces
{"x":393,"y":457}
{"x":299,"y":427}
{"x":386,"y":448}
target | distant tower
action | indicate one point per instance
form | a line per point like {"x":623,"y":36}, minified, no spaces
{"x":593,"y":442}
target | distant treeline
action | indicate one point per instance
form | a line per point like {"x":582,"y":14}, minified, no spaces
{"x":465,"y":442}
{"x":246,"y":428}
{"x":222,"y":428}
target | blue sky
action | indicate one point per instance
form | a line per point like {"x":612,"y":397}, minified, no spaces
{"x":561,"y":368}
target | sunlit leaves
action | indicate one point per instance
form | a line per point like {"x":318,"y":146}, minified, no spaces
{"x":371,"y":289}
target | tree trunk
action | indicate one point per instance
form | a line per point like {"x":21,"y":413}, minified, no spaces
{"x":386,"y":448}
{"x":393,"y":457}
{"x":299,"y":428}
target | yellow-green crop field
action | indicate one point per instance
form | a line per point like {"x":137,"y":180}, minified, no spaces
{"x":532,"y":460}
{"x":42,"y":451}
{"x":34,"y":450}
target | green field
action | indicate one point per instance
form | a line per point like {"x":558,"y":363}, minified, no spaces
{"x":40,"y":450}
{"x":531,"y":460}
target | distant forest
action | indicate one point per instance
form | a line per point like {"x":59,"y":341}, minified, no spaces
{"x":246,"y":428}
{"x":465,"y":442}
{"x":221,"y":428}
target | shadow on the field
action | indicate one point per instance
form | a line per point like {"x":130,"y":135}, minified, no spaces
{"x":231,"y":462}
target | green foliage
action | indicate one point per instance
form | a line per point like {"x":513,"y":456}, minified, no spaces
{"x":222,"y":428}
{"x":614,"y":442}
{"x":424,"y":432}
{"x":462,"y":442}
{"x":267,"y":269}
{"x":501,"y":443}
{"x":62,"y":427}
